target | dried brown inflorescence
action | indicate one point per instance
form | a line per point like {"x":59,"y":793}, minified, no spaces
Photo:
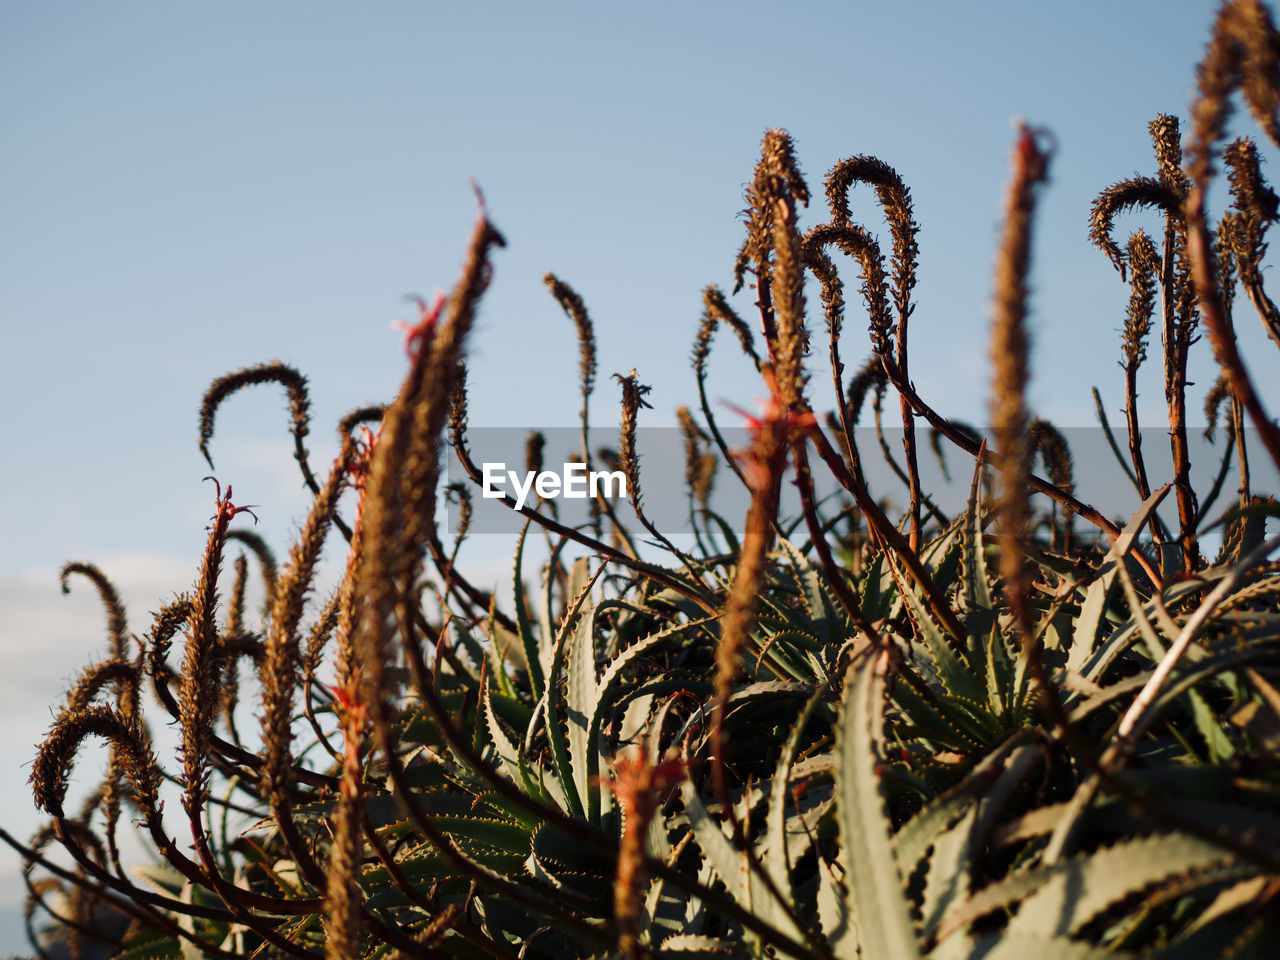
{"x":857,"y":243}
{"x":774,"y":250}
{"x":57,"y":754}
{"x":1010,"y":363}
{"x":576,"y":310}
{"x":200,"y":676}
{"x":633,"y":399}
{"x":295,"y":385}
{"x":700,"y":464}
{"x":1144,"y":266}
{"x":1244,"y":55}
{"x":1123,"y":195}
{"x":1144,"y":262}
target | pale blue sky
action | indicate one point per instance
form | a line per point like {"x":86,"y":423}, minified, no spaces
{"x":187,"y":188}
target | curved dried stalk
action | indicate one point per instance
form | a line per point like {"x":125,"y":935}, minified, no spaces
{"x":1243,"y":54}
{"x":1044,"y":440}
{"x":895,"y":198}
{"x":372,"y":413}
{"x":295,"y":385}
{"x":1166,"y":191}
{"x":57,"y":753}
{"x":123,"y":675}
{"x":1120,"y":196}
{"x":716,"y":310}
{"x":858,"y":244}
{"x":117,"y":622}
{"x":1257,"y":206}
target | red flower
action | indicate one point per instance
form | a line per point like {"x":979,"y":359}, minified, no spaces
{"x":351,"y":704}
{"x":226,"y":509}
{"x":418,"y":335}
{"x":771,"y":431}
{"x":639,"y":785}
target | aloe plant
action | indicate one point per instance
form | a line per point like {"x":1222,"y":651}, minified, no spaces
{"x":849,"y":732}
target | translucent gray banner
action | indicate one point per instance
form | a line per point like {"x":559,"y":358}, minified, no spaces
{"x":564,"y":489}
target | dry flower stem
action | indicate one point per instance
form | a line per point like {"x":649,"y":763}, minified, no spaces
{"x":1009,"y":418}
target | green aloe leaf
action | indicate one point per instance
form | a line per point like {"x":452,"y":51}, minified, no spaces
{"x":876,"y":897}
{"x":151,"y":948}
{"x":915,"y":838}
{"x":528,"y":640}
{"x":696,"y":945}
{"x":1207,"y":721}
{"x":1003,"y":947}
{"x":732,"y":866}
{"x":601,"y":701}
{"x":1086,"y":886}
{"x":955,"y":851}
{"x":509,"y":756}
{"x":826,"y":620}
{"x":777,"y":861}
{"x":566,"y":726}
{"x":976,"y":590}
{"x":877,"y":592}
{"x":956,"y":675}
{"x":580,"y":700}
{"x":1098,"y":595}
{"x":1058,"y":900}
